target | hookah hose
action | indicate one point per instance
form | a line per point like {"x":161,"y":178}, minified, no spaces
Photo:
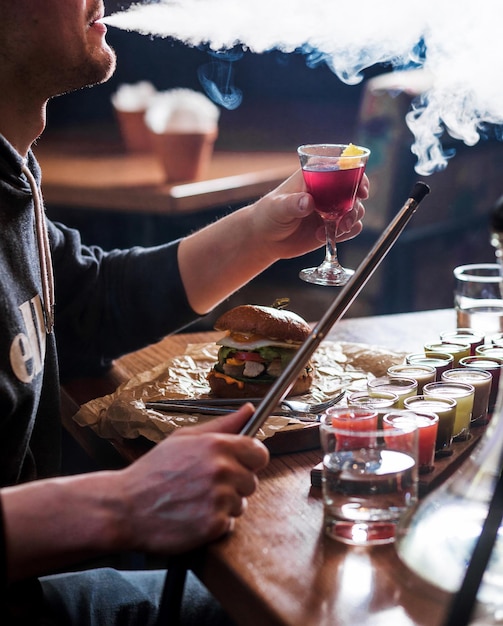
{"x":171,"y":601}
{"x":462,"y":606}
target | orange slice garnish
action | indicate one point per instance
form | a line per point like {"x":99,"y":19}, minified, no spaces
{"x":350,"y":151}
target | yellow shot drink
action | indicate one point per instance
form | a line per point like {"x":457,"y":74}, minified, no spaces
{"x":463,"y":394}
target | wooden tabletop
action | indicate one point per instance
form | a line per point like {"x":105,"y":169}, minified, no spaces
{"x":134,"y":182}
{"x":278,"y":568}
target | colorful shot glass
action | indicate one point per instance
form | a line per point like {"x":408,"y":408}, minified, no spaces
{"x":496,"y":339}
{"x":427,"y":425}
{"x":441,"y":361}
{"x":380,"y":401}
{"x":445,"y":408}
{"x":404,"y":387}
{"x":351,"y":419}
{"x":490,"y":350}
{"x":491,"y":364}
{"x":457,"y":349}
{"x":481,"y":381}
{"x":464,"y":335}
{"x":422,"y":374}
{"x":463,"y":394}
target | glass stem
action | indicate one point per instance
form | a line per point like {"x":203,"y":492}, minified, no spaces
{"x":331,"y":246}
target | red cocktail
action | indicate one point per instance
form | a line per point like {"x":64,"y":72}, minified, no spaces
{"x":332,"y":173}
{"x":427,"y":425}
{"x":350,"y":420}
{"x":333,"y":191}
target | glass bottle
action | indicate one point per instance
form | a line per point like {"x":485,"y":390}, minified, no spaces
{"x":437,"y":538}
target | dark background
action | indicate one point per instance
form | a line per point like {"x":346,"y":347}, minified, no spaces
{"x":286,"y":103}
{"x":282,"y":98}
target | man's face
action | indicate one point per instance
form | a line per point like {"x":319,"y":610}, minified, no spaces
{"x":55,"y":45}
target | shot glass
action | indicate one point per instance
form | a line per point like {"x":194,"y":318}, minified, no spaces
{"x":445,"y":408}
{"x":491,"y":364}
{"x":352,"y":419}
{"x":481,"y":381}
{"x":380,"y":401}
{"x":489,"y":350}
{"x":477,"y":297}
{"x":422,"y":374}
{"x":369,"y":480}
{"x":401,"y":385}
{"x":427,"y":424}
{"x":457,"y":349}
{"x":441,"y":361}
{"x":463,"y":394}
{"x":496,"y":340}
{"x":465,"y":335}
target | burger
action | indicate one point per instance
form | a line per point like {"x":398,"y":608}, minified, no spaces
{"x":258,"y":344}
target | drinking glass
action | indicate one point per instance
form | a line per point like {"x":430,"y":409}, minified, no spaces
{"x":489,"y":350}
{"x":457,"y":349}
{"x":403,"y":386}
{"x":492,"y":364}
{"x":465,"y":335}
{"x":380,"y":401}
{"x":421,"y":373}
{"x":481,"y":381}
{"x":369,"y":479}
{"x":441,"y":361}
{"x":427,"y":424}
{"x":445,"y":408}
{"x":477,"y":297}
{"x":463,"y":394}
{"x":332,"y":173}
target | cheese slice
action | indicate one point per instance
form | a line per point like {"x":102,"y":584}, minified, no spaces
{"x":229,"y":380}
{"x":253,"y":344}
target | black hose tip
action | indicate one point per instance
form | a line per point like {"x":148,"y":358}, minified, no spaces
{"x":419,"y":191}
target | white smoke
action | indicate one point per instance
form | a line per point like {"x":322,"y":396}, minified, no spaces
{"x":461,"y":43}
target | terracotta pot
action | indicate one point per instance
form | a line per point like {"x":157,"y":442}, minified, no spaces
{"x":135,"y":134}
{"x":184,"y":156}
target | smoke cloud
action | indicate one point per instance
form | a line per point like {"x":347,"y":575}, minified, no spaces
{"x":458,"y":43}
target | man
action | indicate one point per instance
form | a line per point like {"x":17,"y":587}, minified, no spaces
{"x":189,"y":489}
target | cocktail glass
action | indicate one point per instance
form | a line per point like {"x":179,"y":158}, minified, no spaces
{"x":332,"y":173}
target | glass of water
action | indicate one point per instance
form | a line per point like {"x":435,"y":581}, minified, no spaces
{"x":477,"y":297}
{"x":369,"y":479}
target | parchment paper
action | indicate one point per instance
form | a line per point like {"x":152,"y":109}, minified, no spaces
{"x":123,"y":413}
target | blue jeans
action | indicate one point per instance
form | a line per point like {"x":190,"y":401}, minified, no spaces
{"x":109,"y":597}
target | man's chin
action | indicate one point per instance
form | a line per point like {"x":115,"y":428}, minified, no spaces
{"x":95,"y":72}
{"x":106,"y":67}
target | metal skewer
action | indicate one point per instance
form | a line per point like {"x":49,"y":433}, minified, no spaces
{"x":336,"y":310}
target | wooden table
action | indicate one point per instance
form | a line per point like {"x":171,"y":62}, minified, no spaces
{"x":278,"y":568}
{"x":119,"y":181}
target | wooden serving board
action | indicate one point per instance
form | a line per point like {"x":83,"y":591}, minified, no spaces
{"x":299,"y":440}
{"x":443,"y":467}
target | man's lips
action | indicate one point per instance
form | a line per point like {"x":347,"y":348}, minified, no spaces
{"x":96,"y":16}
{"x":99,"y":26}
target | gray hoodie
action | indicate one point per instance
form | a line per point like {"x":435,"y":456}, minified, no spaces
{"x":107,"y":304}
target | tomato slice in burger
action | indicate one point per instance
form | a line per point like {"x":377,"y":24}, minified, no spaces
{"x":248,"y":356}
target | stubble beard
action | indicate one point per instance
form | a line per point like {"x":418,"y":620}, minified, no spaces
{"x":94,"y":72}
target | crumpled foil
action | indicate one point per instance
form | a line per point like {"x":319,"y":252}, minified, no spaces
{"x":123,"y":414}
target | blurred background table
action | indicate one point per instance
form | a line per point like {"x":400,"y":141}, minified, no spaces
{"x":133,"y":183}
